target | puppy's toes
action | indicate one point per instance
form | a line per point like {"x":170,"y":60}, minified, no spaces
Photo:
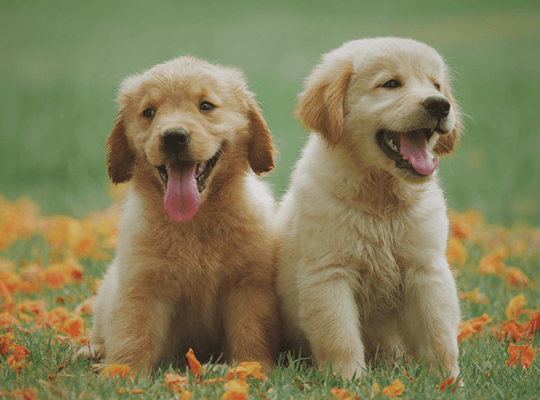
{"x":92,"y":352}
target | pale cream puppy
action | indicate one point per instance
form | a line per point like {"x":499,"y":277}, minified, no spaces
{"x":362,"y":267}
{"x":194,"y":266}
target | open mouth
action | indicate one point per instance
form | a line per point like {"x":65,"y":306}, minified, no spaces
{"x":185,"y":180}
{"x":409,"y":150}
{"x":203,"y":169}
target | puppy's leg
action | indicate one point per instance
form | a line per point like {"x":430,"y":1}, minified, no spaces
{"x":251,"y":324}
{"x":328,"y":316}
{"x":431,"y":316}
{"x":138,"y":329}
{"x":104,"y":303}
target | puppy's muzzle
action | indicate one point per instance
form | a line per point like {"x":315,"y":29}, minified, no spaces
{"x":437,"y":106}
{"x":175,"y":143}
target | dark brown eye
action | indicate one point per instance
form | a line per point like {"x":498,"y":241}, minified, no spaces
{"x":206,"y":106}
{"x":437,"y":86}
{"x":391,"y":84}
{"x":149,"y":113}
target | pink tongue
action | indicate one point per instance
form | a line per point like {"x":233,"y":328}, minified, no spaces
{"x":414,"y":147}
{"x":182,"y":198}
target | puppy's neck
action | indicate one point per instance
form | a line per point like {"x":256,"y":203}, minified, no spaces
{"x":367,"y":187}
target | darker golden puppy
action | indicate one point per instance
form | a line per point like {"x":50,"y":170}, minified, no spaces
{"x":194,"y":263}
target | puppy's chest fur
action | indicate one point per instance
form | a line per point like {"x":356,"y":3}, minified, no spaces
{"x":380,"y":263}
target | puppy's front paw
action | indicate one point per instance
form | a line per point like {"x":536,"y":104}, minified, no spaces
{"x":350,"y":370}
{"x":91,"y":351}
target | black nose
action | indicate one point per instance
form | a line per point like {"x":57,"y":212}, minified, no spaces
{"x":437,"y":106}
{"x":174,"y":141}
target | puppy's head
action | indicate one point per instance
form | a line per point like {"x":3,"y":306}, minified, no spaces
{"x":387,"y":99}
{"x":185,"y":122}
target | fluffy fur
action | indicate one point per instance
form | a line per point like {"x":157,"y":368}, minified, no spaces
{"x":362,"y":268}
{"x":207,"y":283}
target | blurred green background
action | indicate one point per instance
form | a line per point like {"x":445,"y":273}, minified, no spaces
{"x":62,"y":62}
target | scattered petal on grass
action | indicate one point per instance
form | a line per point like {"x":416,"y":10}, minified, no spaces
{"x":376,"y":389}
{"x":115,"y":370}
{"x":194,"y":364}
{"x":474,"y":296}
{"x":492,"y":264}
{"x":524,"y":354}
{"x":37,"y":307}
{"x":342,"y":394}
{"x":7,"y":320}
{"x":468,"y":328}
{"x":395,"y":389}
{"x":175,"y":382}
{"x":23,"y":394}
{"x":236,"y":390}
{"x":516,"y":277}
{"x":6,"y":343}
{"x":122,"y":390}
{"x":448,"y":383}
{"x":455,"y":252}
{"x":464,"y":223}
{"x":17,"y":360}
{"x":56,"y":318}
{"x":245,"y":369}
{"x":73,"y":327}
{"x":515,"y":306}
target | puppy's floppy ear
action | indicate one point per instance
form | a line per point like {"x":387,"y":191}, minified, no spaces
{"x":120,"y":158}
{"x":447,"y":144}
{"x":261,"y":149}
{"x":320,"y":105}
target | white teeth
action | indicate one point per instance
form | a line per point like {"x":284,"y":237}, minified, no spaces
{"x":200,"y":168}
{"x":390,"y":143}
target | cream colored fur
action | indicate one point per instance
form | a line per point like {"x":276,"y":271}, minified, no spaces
{"x":362,"y":267}
{"x":206,"y":284}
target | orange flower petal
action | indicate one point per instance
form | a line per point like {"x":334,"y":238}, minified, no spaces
{"x":175,"y":382}
{"x":447,"y":382}
{"x":395,"y":389}
{"x":514,"y":307}
{"x":236,"y":390}
{"x":468,"y":328}
{"x":6,"y":320}
{"x":376,"y":389}
{"x":6,"y":343}
{"x":115,"y":370}
{"x":56,"y":318}
{"x":194,"y":364}
{"x":73,"y":327}
{"x":36,"y":307}
{"x":342,"y":394}
{"x":524,"y":354}
{"x":455,"y":252}
{"x":243,"y":370}
{"x":492,"y":264}
{"x":516,"y":277}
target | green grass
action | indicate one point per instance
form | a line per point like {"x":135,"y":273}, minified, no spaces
{"x":54,"y":373}
{"x":63,"y":62}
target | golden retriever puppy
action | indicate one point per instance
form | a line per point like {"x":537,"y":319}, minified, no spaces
{"x":362,"y":268}
{"x":194,"y":266}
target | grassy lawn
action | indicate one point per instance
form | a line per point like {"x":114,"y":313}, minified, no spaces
{"x":51,"y":266}
{"x":62,"y":63}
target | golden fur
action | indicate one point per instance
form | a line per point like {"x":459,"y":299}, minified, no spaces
{"x":207,"y":283}
{"x":362,"y":268}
